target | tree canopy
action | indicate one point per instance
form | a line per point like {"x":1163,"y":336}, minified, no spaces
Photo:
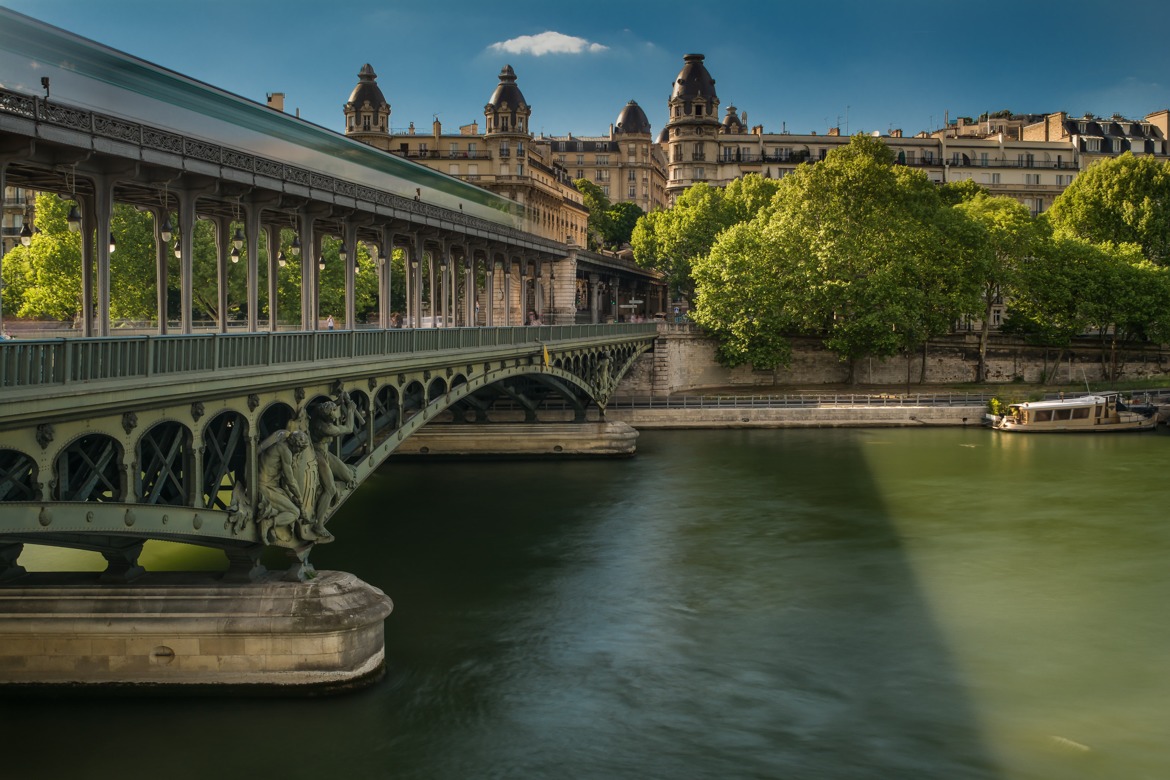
{"x":1119,"y":200}
{"x":854,"y":248}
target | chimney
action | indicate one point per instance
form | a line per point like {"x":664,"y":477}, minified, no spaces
{"x":437,"y":127}
{"x":896,"y":133}
{"x":410,"y":130}
{"x":276,"y":100}
{"x":758,"y":130}
{"x":834,"y":131}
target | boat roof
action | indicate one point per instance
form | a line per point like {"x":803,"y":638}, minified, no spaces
{"x":1060,"y":403}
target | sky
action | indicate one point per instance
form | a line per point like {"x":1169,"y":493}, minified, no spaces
{"x":794,"y":66}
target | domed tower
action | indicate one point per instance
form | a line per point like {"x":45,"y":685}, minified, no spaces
{"x":632,"y":120}
{"x":507,"y":112}
{"x":367,"y":114}
{"x":694,"y":122}
{"x":732,"y":123}
{"x":635,"y":181}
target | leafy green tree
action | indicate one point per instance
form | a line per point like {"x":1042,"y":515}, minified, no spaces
{"x":1119,"y":200}
{"x":44,"y":279}
{"x":956,"y":192}
{"x":670,"y":241}
{"x":1004,"y":236}
{"x":621,"y":219}
{"x":598,"y":205}
{"x":853,"y":248}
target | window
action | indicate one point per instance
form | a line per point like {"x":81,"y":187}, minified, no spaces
{"x":505,"y":150}
{"x":520,"y":169}
{"x":700,"y":173}
{"x":605,"y":190}
{"x":910,"y":157}
{"x":471,"y":149}
{"x":603,"y":159}
{"x":1032,"y":179}
{"x":520,"y":149}
{"x":991,"y":178}
{"x":472,"y":170}
{"x":954,"y":158}
{"x":632,"y":175}
{"x":454,"y":150}
{"x":1092,"y":144}
{"x":602,"y":174}
{"x":422,"y":149}
{"x":580,"y":159}
{"x":983,"y":159}
{"x":366,"y":122}
{"x":504,"y":170}
{"x":453,"y":169}
{"x":633,"y":191}
{"x":927,"y":156}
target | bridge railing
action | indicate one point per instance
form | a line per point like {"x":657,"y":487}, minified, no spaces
{"x":29,"y":362}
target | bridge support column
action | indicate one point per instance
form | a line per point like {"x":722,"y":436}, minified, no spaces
{"x":274,"y":250}
{"x":70,"y":631}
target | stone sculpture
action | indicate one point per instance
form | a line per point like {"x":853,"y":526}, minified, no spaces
{"x":327,"y":421}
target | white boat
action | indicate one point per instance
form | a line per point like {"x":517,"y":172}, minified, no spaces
{"x":1097,"y":412}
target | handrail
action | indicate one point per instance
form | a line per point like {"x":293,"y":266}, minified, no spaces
{"x":33,"y":362}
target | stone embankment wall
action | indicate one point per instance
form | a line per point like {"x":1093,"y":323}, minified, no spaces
{"x":684,"y":359}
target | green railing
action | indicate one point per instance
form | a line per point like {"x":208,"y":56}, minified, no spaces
{"x":26,"y":363}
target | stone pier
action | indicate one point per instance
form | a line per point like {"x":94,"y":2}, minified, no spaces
{"x":515,"y":439}
{"x":183,"y":631}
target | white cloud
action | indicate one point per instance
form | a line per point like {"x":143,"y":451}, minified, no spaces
{"x":547,"y":43}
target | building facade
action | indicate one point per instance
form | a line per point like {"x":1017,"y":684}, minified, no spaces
{"x":504,"y":157}
{"x":1031,"y":158}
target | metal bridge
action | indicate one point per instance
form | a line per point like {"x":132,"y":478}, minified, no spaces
{"x":106,"y":443}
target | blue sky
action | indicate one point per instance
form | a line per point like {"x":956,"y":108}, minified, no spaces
{"x":799,"y":66}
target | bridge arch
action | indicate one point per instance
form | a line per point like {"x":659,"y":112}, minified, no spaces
{"x":225,"y":458}
{"x":165,"y":464}
{"x":18,"y":476}
{"x":89,"y":468}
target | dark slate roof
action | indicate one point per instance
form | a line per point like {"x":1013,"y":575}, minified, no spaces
{"x":732,"y":123}
{"x":632,"y":120}
{"x":693,"y":82}
{"x":584,"y":146}
{"x":367,"y":89}
{"x":507,"y":91}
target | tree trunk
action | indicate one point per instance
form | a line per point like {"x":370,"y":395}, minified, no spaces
{"x":1050,"y":378}
{"x":984,"y":335}
{"x":922,"y":369}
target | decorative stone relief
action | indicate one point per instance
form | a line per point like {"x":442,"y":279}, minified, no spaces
{"x":197,"y":410}
{"x":253,"y":402}
{"x":129,"y":422}
{"x":45,"y":435}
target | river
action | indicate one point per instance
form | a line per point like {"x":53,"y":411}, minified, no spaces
{"x":882,"y":603}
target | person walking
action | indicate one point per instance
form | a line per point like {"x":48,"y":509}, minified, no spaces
{"x":329,"y":322}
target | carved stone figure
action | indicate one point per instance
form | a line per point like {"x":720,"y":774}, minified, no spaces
{"x":281,"y":488}
{"x":328,"y":421}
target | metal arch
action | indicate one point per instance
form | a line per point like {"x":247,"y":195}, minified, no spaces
{"x":18,"y":476}
{"x":165,"y":461}
{"x":225,"y":438}
{"x":89,"y":468}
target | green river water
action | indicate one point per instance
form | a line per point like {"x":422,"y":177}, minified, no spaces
{"x":882,"y":603}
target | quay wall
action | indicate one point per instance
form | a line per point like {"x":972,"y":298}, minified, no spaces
{"x":683,"y":359}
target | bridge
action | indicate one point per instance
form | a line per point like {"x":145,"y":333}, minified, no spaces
{"x":250,"y":435}
{"x":106,"y":443}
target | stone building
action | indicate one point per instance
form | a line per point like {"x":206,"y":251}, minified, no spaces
{"x":505,"y":157}
{"x":1031,"y":158}
{"x":626,"y":164}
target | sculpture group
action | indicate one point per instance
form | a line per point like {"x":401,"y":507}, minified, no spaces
{"x":300,"y":478}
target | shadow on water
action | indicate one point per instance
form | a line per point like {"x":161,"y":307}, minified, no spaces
{"x":732,"y":604}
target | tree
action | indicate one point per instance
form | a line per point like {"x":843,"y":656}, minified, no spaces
{"x":598,"y":205}
{"x":1119,"y":200}
{"x":853,"y":248}
{"x":621,"y":219}
{"x":671,"y":241}
{"x":956,"y":192}
{"x":44,"y":279}
{"x":1004,"y":236}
